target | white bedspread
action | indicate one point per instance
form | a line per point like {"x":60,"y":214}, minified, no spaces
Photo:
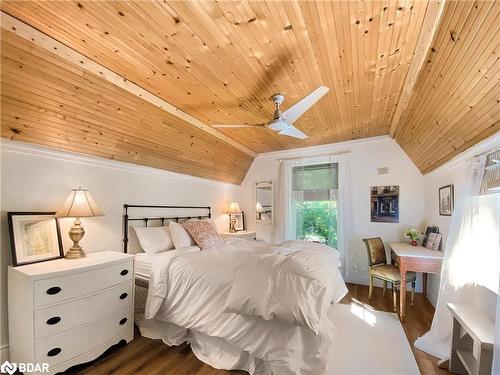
{"x":189,"y":290}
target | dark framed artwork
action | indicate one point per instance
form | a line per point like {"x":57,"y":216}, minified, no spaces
{"x":34,"y":237}
{"x":446,"y":200}
{"x":384,"y":204}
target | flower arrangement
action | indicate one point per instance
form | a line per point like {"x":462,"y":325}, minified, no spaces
{"x":414,"y":235}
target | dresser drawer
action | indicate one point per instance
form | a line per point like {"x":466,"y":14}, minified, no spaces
{"x":61,"y":317}
{"x":70,"y":344}
{"x":49,"y":291}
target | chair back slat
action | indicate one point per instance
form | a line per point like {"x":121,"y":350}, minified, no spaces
{"x":376,"y":251}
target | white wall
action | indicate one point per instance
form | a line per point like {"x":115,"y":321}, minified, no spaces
{"x":39,"y":179}
{"x":365,"y":157}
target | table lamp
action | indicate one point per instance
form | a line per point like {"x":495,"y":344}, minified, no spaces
{"x":234,"y":208}
{"x":79,"y":204}
{"x":259,"y":209}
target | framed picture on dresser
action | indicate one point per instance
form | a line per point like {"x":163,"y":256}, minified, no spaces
{"x":34,"y":237}
{"x":240,"y":221}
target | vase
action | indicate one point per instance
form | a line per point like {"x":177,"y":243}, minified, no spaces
{"x":413,"y":242}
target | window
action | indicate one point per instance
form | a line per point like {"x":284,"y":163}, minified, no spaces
{"x":313,"y":203}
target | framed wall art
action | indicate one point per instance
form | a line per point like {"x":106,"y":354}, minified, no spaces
{"x":446,"y":200}
{"x":384,"y":204}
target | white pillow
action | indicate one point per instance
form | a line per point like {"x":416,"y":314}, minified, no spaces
{"x":154,"y":239}
{"x":180,"y":236}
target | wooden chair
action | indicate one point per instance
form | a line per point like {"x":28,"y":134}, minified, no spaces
{"x":379,"y":269}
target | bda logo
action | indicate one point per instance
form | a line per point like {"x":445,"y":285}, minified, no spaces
{"x":8,"y":367}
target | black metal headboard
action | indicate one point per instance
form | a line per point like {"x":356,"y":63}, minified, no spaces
{"x":126,"y":219}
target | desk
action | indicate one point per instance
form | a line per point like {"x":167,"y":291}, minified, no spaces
{"x":416,"y":259}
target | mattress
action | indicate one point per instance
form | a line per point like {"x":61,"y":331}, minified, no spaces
{"x":143,"y":264}
{"x":144,"y":261}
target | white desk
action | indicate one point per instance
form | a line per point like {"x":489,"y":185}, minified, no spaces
{"x":416,"y":259}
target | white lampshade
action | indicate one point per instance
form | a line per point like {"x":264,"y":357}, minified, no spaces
{"x":234,"y":208}
{"x":79,"y":204}
{"x":259,"y":208}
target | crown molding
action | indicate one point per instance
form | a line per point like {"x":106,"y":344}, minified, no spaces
{"x":24,"y":148}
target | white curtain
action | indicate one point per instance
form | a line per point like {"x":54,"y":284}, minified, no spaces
{"x":281,"y":199}
{"x":344,"y":224}
{"x":471,"y":258}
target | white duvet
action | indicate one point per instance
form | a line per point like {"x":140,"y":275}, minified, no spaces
{"x":267,"y":302}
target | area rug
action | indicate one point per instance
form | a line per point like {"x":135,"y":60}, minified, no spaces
{"x":369,"y":342}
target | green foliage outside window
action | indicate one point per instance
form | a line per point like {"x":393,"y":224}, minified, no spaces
{"x":317,"y":221}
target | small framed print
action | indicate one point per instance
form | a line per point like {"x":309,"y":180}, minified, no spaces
{"x":240,"y":222}
{"x":433,"y":241}
{"x":446,"y":200}
{"x":34,"y":237}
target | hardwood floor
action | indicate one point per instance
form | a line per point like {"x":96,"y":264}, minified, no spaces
{"x":151,"y":357}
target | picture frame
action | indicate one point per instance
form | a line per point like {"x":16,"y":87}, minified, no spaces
{"x":384,"y":204}
{"x":430,"y":229}
{"x":446,"y":200}
{"x":434,"y":241}
{"x":240,"y":221}
{"x":34,"y":237}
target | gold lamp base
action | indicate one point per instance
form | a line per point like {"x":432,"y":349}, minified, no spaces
{"x":76,"y":233}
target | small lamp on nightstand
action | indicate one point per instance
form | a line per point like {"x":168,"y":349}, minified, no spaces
{"x":259,"y":209}
{"x":234,"y":208}
{"x":79,"y":204}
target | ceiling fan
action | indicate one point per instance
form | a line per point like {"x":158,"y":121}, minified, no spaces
{"x":282,"y":121}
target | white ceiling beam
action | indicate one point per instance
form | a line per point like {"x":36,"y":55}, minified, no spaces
{"x":432,"y":20}
{"x":42,"y":40}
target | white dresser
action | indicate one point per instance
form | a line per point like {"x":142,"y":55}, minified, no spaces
{"x":65,"y":312}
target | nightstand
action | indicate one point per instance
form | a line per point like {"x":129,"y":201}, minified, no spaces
{"x":65,"y":312}
{"x":243,"y":234}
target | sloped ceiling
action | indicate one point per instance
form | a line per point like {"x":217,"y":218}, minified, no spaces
{"x":221,"y":61}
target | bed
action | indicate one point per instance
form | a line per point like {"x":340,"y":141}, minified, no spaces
{"x":245,"y":305}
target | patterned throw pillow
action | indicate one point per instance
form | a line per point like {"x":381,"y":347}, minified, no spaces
{"x":204,"y":234}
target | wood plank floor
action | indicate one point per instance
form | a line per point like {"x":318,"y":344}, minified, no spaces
{"x":151,"y":357}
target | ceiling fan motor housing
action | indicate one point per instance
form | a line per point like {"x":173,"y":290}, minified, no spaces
{"x":277,"y":100}
{"x":278,"y":124}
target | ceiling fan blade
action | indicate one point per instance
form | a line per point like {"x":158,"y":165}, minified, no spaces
{"x":239,"y":126}
{"x":294,"y":112}
{"x":292,"y":131}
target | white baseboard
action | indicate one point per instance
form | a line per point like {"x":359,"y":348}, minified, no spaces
{"x":4,"y":353}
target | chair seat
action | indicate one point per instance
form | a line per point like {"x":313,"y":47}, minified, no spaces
{"x":390,"y":272}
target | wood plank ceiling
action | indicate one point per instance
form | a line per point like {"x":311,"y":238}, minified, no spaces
{"x":221,"y":61}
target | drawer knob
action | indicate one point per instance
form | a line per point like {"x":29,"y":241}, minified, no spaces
{"x":53,"y":320}
{"x":123,"y":321}
{"x":124,"y":272}
{"x":53,"y":290}
{"x":123,"y":295}
{"x":54,"y":352}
